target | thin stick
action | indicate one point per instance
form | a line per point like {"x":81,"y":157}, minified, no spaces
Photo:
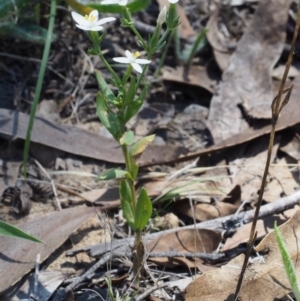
{"x":277,"y":106}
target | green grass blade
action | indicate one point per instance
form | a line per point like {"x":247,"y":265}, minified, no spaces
{"x":38,"y":87}
{"x":9,"y":230}
{"x":198,"y":44}
{"x":288,"y":264}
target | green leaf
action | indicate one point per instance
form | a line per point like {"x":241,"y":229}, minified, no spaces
{"x":143,"y":210}
{"x":127,"y":138}
{"x":111,"y":174}
{"x":138,"y":148}
{"x":129,"y":108}
{"x":134,"y":106}
{"x":189,"y":51}
{"x":134,"y":168}
{"x":107,"y":92}
{"x":133,"y":6}
{"x":9,"y":230}
{"x":131,"y":91}
{"x":108,"y":118}
{"x":288,"y":264}
{"x":132,"y":109}
{"x":126,"y":202}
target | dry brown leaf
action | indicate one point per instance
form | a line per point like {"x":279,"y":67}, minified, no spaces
{"x":205,"y":212}
{"x":263,"y":227}
{"x":247,"y":78}
{"x":149,"y":117}
{"x":248,"y":169}
{"x":288,"y":117}
{"x":103,"y":196}
{"x":278,"y":72}
{"x":218,"y":41}
{"x":18,"y":256}
{"x":194,"y":187}
{"x":281,"y":179}
{"x":48,"y":282}
{"x":291,"y":144}
{"x":9,"y":172}
{"x":201,"y":241}
{"x":264,"y":280}
{"x":77,"y":141}
{"x":194,"y":76}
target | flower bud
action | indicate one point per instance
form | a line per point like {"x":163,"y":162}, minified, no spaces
{"x":162,"y":16}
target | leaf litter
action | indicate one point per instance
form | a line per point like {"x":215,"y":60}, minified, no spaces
{"x":239,"y":105}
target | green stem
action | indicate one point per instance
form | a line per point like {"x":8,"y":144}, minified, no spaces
{"x":126,"y":75}
{"x":163,"y":57}
{"x":177,"y":44}
{"x":131,"y":26}
{"x":195,"y":46}
{"x":141,"y":40}
{"x":164,"y":36}
{"x":141,"y":77}
{"x":110,"y":69}
{"x":138,"y":249}
{"x":129,"y":169}
{"x":39,"y":84}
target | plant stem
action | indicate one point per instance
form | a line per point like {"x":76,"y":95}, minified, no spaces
{"x":163,"y":56}
{"x":109,"y":68}
{"x":138,"y":248}
{"x":131,"y":26}
{"x":127,"y":74}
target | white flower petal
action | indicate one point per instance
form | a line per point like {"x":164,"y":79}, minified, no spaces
{"x":120,"y":2}
{"x":142,"y":61}
{"x":94,"y":15}
{"x":80,"y":19}
{"x":173,"y":1}
{"x":123,"y":2}
{"x":129,"y":55}
{"x":105,"y":20}
{"x":123,"y":60}
{"x":83,"y":27}
{"x":96,"y":28}
{"x":109,"y":1}
{"x":161,"y":19}
{"x":137,"y":67}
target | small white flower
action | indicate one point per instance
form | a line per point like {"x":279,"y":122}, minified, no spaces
{"x":173,"y":1}
{"x":120,"y":2}
{"x":162,"y":16}
{"x":90,"y":22}
{"x":132,"y":59}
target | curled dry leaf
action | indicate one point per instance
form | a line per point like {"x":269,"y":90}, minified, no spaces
{"x":265,"y":279}
{"x":218,"y":41}
{"x":247,"y":78}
